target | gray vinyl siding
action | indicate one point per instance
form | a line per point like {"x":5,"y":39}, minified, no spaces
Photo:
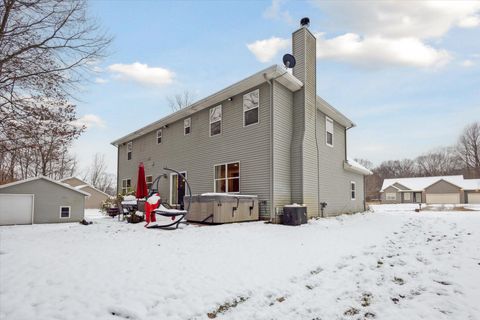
{"x":304,"y":148}
{"x":197,"y":153}
{"x":282,"y":137}
{"x":334,"y":180}
{"x":48,"y":197}
{"x":390,"y":189}
{"x":443,"y":186}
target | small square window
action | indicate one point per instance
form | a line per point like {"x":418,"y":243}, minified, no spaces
{"x":126,"y":185}
{"x":149,"y":180}
{"x":65,"y":212}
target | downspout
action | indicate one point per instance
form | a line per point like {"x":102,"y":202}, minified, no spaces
{"x":118,"y":170}
{"x":272,"y":210}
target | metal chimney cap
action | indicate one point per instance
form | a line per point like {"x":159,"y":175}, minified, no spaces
{"x":305,"y":22}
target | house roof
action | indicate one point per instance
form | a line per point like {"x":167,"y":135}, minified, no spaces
{"x":83,"y":185}
{"x":274,"y":72}
{"x":420,"y":183}
{"x":356,"y":167}
{"x":44,"y":178}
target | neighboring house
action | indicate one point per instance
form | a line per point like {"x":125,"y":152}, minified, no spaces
{"x":40,"y":200}
{"x":432,"y":190}
{"x":96,"y":198}
{"x":268,"y":135}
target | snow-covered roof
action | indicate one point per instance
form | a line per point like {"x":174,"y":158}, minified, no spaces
{"x":420,"y":183}
{"x":44,"y":178}
{"x":85,"y":184}
{"x":356,"y":167}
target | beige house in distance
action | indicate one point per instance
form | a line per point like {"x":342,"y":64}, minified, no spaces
{"x":268,"y":135}
{"x":96,"y":198}
{"x":431,"y":190}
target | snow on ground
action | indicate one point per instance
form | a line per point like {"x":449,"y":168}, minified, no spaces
{"x":389,"y":264}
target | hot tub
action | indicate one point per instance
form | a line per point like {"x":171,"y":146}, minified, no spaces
{"x":222,"y":208}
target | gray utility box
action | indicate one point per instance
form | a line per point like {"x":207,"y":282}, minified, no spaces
{"x":222,"y":208}
{"x":294,"y":215}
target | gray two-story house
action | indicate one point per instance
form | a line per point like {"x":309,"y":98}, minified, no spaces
{"x":268,"y":135}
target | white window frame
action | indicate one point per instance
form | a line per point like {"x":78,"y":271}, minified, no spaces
{"x":187,"y":123}
{"x":353,"y":190}
{"x":226,"y":177}
{"x":159,"y":136}
{"x":210,"y":121}
{"x":327,"y":122}
{"x":151,"y":182}
{"x":69,"y":212}
{"x":407,"y":194}
{"x":126,"y":187}
{"x":390,"y":196}
{"x":172,"y":175}
{"x":129,"y":150}
{"x":257,"y":107}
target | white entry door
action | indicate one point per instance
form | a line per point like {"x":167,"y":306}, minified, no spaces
{"x":443,"y":198}
{"x":16,"y":209}
{"x":473,"y":198}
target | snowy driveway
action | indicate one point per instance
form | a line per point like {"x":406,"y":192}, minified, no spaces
{"x":391,"y":264}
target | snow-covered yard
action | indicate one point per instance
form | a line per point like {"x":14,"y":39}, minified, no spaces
{"x":390,"y":264}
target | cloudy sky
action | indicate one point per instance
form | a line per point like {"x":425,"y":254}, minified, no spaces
{"x":407,"y":73}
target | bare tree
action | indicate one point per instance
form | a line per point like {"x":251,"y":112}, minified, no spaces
{"x":98,"y":176}
{"x":468,"y":148}
{"x":443,"y":161}
{"x":180,"y":100}
{"x":46,"y":49}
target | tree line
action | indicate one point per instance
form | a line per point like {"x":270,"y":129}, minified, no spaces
{"x":463,"y":158}
{"x":47,"y":49}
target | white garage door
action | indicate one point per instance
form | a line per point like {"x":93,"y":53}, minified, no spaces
{"x":16,"y":209}
{"x":473,"y":198}
{"x":440,"y":198}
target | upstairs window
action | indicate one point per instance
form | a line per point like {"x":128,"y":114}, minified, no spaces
{"x":187,"y":124}
{"x":149,"y":180}
{"x":250,"y":108}
{"x":129,"y":150}
{"x":227,"y":177}
{"x":159,"y":136}
{"x":215,"y":120}
{"x":65,"y":212}
{"x":353,"y":190}
{"x":329,"y":131}
{"x":126,"y":185}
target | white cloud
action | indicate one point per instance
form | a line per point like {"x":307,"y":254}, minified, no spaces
{"x":377,"y":51}
{"x":467,"y":63}
{"x":89,"y":121}
{"x":266,"y":50}
{"x":142,"y":73}
{"x":100,"y":80}
{"x":422,"y":19}
{"x":470,"y":22}
{"x":275,"y":12}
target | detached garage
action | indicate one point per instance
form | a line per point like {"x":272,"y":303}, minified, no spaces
{"x":443,"y":192}
{"x":40,"y":200}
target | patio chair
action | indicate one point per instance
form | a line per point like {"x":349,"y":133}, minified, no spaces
{"x":165,"y":210}
{"x":121,"y":210}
